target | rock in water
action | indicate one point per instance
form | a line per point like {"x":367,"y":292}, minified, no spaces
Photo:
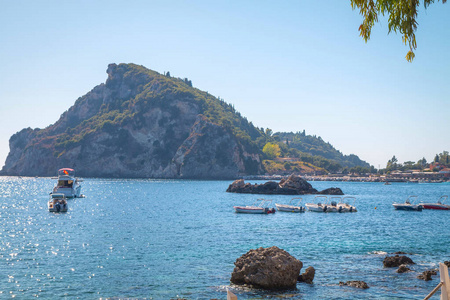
{"x":396,"y":261}
{"x":331,"y":191}
{"x":403,"y":269}
{"x":293,"y":185}
{"x":267,"y":268}
{"x":308,"y":275}
{"x":426,"y":275}
{"x":356,"y":283}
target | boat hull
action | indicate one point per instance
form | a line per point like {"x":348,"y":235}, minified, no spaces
{"x":68,"y":192}
{"x":253,"y":210}
{"x":289,"y":208}
{"x":436,"y":206}
{"x":54,"y":208}
{"x":408,"y":207}
{"x":315,"y":207}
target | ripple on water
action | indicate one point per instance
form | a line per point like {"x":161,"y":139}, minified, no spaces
{"x":167,"y":238}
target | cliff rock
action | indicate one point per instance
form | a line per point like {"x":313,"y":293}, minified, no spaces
{"x":139,"y":124}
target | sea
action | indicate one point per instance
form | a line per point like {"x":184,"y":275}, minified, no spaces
{"x":179,"y":239}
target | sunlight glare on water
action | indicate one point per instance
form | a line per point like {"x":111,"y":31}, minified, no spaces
{"x":163,"y":239}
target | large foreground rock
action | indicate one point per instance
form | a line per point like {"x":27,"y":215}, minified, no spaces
{"x":396,"y":261}
{"x":267,"y":268}
{"x":293,"y":185}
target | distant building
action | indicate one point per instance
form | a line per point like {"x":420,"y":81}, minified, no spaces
{"x":445,"y":171}
{"x":435,"y":165}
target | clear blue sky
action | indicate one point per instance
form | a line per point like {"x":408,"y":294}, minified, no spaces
{"x":286,"y":65}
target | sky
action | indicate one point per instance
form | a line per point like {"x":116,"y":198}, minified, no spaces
{"x":285,"y":65}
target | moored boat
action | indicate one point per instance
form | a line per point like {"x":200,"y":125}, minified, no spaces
{"x":67,"y":184}
{"x":345,"y":206}
{"x":296,"y":208}
{"x":408,"y":205}
{"x":438,"y":205}
{"x":319,"y":204}
{"x":57,"y":203}
{"x":259,"y":207}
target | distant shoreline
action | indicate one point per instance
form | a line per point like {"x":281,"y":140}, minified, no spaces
{"x":351,"y":178}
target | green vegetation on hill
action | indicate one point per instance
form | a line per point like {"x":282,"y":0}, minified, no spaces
{"x":440,"y":161}
{"x":137,"y":90}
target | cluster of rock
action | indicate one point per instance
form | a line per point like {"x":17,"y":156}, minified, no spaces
{"x":402,"y":263}
{"x":397,"y":261}
{"x":274,"y":268}
{"x":293,"y":185}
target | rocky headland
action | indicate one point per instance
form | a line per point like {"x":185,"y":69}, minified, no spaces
{"x":140,"y":124}
{"x":293,"y":185}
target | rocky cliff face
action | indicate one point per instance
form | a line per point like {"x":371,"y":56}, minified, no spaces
{"x":138,"y":124}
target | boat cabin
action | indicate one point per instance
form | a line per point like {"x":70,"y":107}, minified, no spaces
{"x":66,"y":172}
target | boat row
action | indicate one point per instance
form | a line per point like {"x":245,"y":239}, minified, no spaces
{"x":319,"y":204}
{"x":411,"y":203}
{"x":67,"y":186}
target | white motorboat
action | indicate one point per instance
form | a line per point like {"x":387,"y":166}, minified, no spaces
{"x":57,"y":203}
{"x":67,"y":184}
{"x":408,"y":205}
{"x":296,"y":208}
{"x":438,"y":205}
{"x":332,"y":205}
{"x":345,"y":206}
{"x":259,"y":207}
{"x":319,"y":204}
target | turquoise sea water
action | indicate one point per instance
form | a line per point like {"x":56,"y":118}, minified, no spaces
{"x":167,"y":239}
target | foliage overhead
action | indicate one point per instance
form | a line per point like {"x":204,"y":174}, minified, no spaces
{"x":402,"y":18}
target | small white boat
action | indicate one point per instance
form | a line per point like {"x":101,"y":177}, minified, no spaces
{"x":438,"y":205}
{"x":57,"y":203}
{"x":319,"y":204}
{"x":67,"y":183}
{"x":409,"y":204}
{"x":259,"y":207}
{"x":345,"y":206}
{"x":296,"y":208}
{"x":332,"y":205}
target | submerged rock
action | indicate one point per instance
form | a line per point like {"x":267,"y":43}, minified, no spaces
{"x":396,"y":261}
{"x":267,"y":268}
{"x":355,"y":283}
{"x":426,"y":275}
{"x":293,"y":185}
{"x":331,"y":191}
{"x":307,"y":276}
{"x":403,"y":269}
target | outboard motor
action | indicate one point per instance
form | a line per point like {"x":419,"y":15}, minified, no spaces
{"x":58,"y":207}
{"x":325,"y":208}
